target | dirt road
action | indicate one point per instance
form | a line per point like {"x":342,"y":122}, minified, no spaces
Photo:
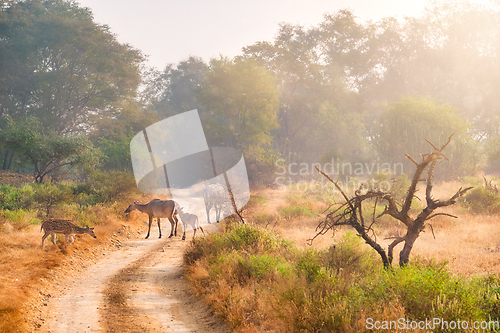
{"x":138,"y":288}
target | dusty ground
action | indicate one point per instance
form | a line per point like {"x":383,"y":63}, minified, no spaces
{"x":137,"y":288}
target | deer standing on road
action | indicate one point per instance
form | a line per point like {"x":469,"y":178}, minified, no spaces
{"x":157,"y":208}
{"x":214,"y":195}
{"x":190,"y":219}
{"x":58,"y":226}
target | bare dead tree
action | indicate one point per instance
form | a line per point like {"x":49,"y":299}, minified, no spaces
{"x":350,"y":212}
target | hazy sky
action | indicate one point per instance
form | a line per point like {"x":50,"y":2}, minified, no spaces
{"x":169,"y":31}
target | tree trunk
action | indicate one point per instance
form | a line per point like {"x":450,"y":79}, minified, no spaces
{"x":10,"y":160}
{"x":410,"y":238}
{"x":361,"y":231}
{"x":5,"y":158}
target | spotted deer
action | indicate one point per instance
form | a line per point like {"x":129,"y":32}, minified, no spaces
{"x":66,"y":227}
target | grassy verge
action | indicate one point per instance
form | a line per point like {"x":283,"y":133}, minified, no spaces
{"x":258,"y":281}
{"x":27,"y":272}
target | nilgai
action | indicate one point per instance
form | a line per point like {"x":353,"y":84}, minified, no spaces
{"x":157,"y":208}
{"x":214,"y":195}
{"x":59,"y":226}
{"x":190,"y":219}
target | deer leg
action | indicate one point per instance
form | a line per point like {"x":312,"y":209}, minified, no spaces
{"x":54,"y":238}
{"x":183,"y":229}
{"x":43,"y":238}
{"x":171,"y":227}
{"x":217,"y":212}
{"x":208,"y":207}
{"x":176,"y":221}
{"x":72,"y":240}
{"x":159,"y":229}
{"x":202,"y":230}
{"x":149,"y":229}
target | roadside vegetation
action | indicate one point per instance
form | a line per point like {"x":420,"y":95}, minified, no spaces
{"x":27,"y":270}
{"x":258,"y":281}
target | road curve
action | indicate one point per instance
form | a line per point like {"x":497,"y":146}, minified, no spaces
{"x":138,"y":288}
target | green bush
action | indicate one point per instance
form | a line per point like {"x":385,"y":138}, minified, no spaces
{"x":108,"y":186}
{"x":48,"y":196}
{"x":256,"y":279}
{"x":292,"y":212}
{"x":19,"y":218}
{"x":432,"y":290}
{"x":481,"y":200}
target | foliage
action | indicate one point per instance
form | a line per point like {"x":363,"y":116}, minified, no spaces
{"x":176,"y":89}
{"x":403,"y":126}
{"x":108,"y":186}
{"x":116,"y":154}
{"x":19,"y":219}
{"x":48,"y":195}
{"x":47,"y":151}
{"x":481,"y":200}
{"x":242,"y":99}
{"x":60,"y":66}
{"x":102,"y":187}
{"x":291,"y":212}
{"x":253,"y":279}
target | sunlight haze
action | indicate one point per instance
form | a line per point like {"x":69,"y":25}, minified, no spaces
{"x":171,"y":31}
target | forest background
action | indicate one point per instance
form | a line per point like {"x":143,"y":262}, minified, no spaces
{"x":72,"y":97}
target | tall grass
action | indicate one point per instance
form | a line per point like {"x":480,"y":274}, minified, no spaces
{"x":258,"y":281}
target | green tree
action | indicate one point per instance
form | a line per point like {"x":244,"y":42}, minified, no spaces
{"x":242,"y":100}
{"x":404,"y":126}
{"x":112,"y":135}
{"x":449,"y":53}
{"x":60,"y":66}
{"x":48,"y":196}
{"x":47,"y":151}
{"x":318,"y":114}
{"x":176,"y":89}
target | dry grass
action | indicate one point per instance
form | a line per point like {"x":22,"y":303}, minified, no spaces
{"x":468,"y":281}
{"x":470,"y":243}
{"x":27,"y":273}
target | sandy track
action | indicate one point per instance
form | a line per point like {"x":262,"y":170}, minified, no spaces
{"x":139,"y":288}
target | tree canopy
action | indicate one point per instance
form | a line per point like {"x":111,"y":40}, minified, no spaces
{"x":45,"y":150}
{"x":60,"y":66}
{"x":345,"y":88}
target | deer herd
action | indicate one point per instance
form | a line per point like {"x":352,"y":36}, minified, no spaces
{"x":156,"y":208}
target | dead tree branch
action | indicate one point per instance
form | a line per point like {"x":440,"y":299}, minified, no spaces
{"x":351,"y":211}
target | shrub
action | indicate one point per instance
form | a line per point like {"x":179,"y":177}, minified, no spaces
{"x":264,"y":218}
{"x":292,"y":212}
{"x":481,"y":200}
{"x":48,"y":196}
{"x":19,"y":218}
{"x":10,"y":197}
{"x":103,"y":187}
{"x":256,"y":280}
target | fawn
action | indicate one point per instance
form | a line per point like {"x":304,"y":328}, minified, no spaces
{"x":58,"y":226}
